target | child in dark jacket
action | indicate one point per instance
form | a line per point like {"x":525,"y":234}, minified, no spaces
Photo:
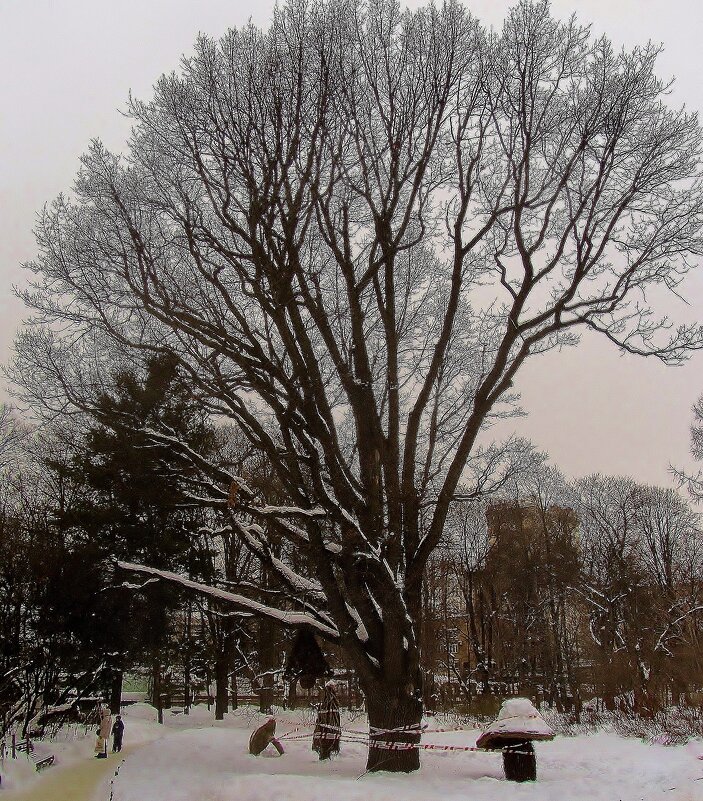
{"x":117,"y":732}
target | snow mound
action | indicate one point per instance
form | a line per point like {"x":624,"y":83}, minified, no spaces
{"x":16,"y":773}
{"x":518,"y":719}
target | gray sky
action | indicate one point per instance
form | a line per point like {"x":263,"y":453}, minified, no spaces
{"x":68,"y":66}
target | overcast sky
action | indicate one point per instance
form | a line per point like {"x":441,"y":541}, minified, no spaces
{"x":67,"y":67}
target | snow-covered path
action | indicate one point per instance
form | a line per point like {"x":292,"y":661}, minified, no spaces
{"x":81,"y":781}
{"x":77,"y":775}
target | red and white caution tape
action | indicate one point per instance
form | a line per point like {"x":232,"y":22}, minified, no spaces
{"x":415,"y":727}
{"x":391,"y":746}
{"x":296,"y":736}
{"x":422,"y":728}
{"x":293,"y":731}
{"x":373,"y":731}
{"x":369,"y":738}
{"x":451,"y":728}
{"x":291,"y":735}
{"x":363,"y":739}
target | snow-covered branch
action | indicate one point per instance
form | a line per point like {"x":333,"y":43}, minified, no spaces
{"x":286,"y":618}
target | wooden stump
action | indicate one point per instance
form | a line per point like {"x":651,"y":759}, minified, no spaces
{"x":519,"y":761}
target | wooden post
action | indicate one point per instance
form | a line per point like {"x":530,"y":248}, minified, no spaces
{"x":14,"y":746}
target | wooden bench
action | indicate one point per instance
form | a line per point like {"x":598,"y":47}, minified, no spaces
{"x":44,"y":762}
{"x":39,"y":762}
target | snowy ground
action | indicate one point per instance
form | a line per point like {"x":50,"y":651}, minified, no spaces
{"x":194,"y":759}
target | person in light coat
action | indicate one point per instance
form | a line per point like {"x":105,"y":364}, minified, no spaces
{"x":100,"y":745}
{"x":105,"y":722}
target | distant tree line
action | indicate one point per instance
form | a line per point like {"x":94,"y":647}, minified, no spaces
{"x":570,"y":592}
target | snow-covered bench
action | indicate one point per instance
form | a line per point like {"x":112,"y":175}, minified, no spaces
{"x":40,"y":761}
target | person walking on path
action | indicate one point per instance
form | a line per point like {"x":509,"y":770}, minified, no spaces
{"x":117,"y":732}
{"x":325,"y":739}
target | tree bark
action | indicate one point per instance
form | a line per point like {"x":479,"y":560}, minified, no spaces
{"x":186,"y":687}
{"x":221,"y":683}
{"x":187,"y":661}
{"x":157,"y":700}
{"x":116,"y":692}
{"x":394,"y":719}
{"x":266,"y":695}
{"x":267,"y":663}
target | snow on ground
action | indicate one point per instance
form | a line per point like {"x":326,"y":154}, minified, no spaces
{"x":74,"y":744}
{"x":69,"y":746}
{"x":213,"y":764}
{"x":87,"y":780}
{"x":193,"y":758}
{"x":16,"y":773}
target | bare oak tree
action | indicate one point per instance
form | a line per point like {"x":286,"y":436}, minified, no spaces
{"x":353,"y":229}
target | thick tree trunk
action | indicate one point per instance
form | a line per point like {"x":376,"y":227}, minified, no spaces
{"x":157,"y":699}
{"x":187,"y":661}
{"x":266,"y":695}
{"x":208,"y":685}
{"x":221,"y":684}
{"x":186,"y":687}
{"x":267,"y":663}
{"x":394,"y":723}
{"x":224,"y":656}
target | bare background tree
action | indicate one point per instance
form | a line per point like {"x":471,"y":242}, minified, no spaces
{"x":641,"y":552}
{"x":694,"y":482}
{"x":351,"y":230}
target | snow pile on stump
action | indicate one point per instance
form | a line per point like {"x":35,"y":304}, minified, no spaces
{"x":518,"y":719}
